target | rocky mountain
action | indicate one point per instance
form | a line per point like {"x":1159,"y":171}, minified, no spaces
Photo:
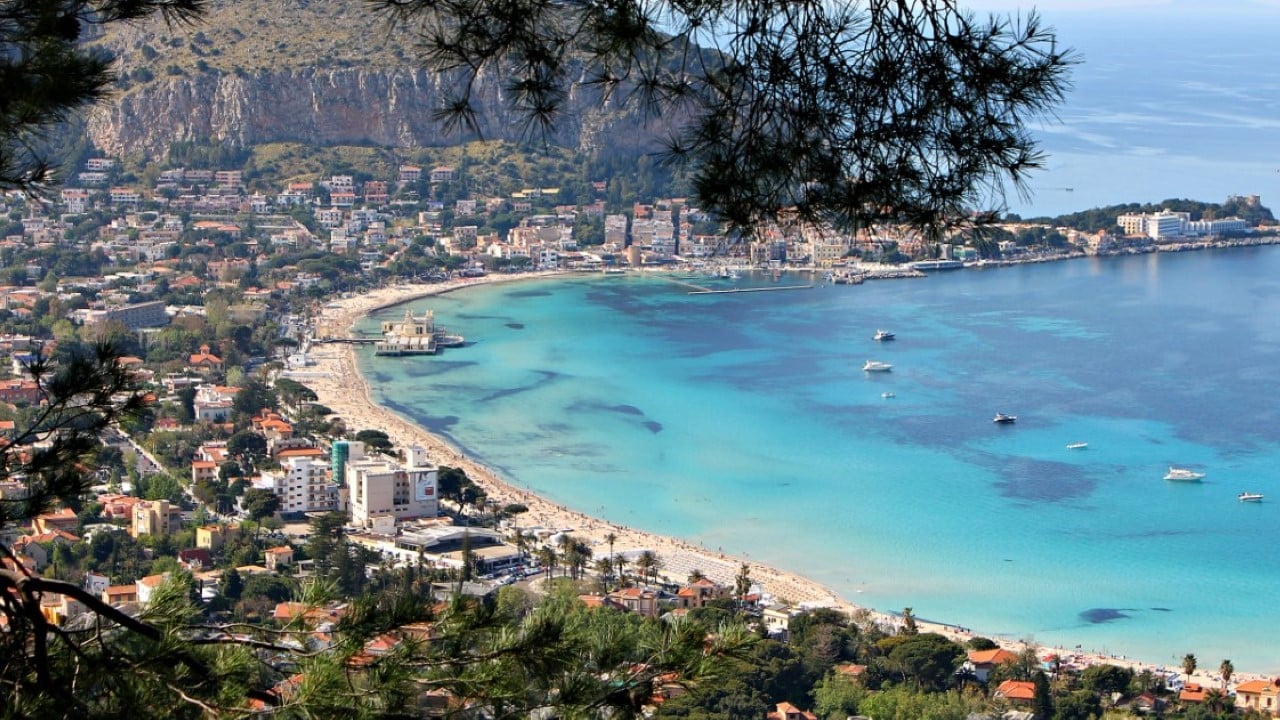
{"x":319,"y":72}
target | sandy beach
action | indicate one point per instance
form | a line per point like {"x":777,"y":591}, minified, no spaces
{"x":338,"y":384}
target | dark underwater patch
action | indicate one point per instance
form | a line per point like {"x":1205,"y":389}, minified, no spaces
{"x":1098,"y":616}
{"x":514,"y":325}
{"x":547,"y":377}
{"x":1040,"y":481}
{"x":654,"y":426}
{"x":527,"y":293}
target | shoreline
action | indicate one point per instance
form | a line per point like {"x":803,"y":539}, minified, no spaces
{"x":337,"y":382}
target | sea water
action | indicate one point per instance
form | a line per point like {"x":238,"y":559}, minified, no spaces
{"x":743,"y":422}
{"x":1175,"y":101}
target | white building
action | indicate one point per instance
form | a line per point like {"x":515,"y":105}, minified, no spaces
{"x":382,"y":491}
{"x":1157,"y":226}
{"x":303,"y":485}
{"x":1216,"y":227}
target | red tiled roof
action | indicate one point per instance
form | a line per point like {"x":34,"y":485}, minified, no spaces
{"x":1017,"y":690}
{"x":996,"y":656}
{"x":1193,"y":692}
{"x":1253,"y":686}
{"x":301,"y":452}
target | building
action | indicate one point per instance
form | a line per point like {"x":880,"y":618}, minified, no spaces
{"x":303,"y":485}
{"x":787,"y":711}
{"x":204,"y":361}
{"x":1157,"y":226}
{"x":982,"y":662}
{"x":153,"y":517}
{"x":697,"y":593}
{"x":214,"y":537}
{"x":278,"y":557}
{"x":1164,"y":225}
{"x":203,"y":471}
{"x":133,"y":317}
{"x":63,"y":519}
{"x":147,"y":586}
{"x":1260,"y":695}
{"x":383,"y":488}
{"x":214,"y":403}
{"x":641,"y":601}
{"x":339,"y":454}
{"x":1019,"y":692}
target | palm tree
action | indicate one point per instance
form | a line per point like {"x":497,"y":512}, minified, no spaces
{"x":610,"y":538}
{"x":696,"y":575}
{"x":1226,"y":669}
{"x":742,"y":584}
{"x":563,"y":545}
{"x":620,"y":567}
{"x":547,"y":557}
{"x":1189,"y":665}
{"x":1216,"y":700}
{"x":603,"y":568}
{"x":521,"y":546}
{"x":581,"y":554}
{"x":647,"y":563}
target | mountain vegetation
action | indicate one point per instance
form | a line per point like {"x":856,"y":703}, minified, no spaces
{"x":1104,"y":218}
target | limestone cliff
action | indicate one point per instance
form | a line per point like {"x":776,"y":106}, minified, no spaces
{"x":320,"y":73}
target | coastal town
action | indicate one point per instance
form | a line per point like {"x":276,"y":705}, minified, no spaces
{"x":261,"y":441}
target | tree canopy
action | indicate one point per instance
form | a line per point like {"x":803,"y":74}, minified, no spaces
{"x":855,"y":112}
{"x":47,"y":72}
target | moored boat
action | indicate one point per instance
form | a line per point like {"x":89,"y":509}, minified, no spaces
{"x":1181,"y":474}
{"x":883,"y":335}
{"x":1002,"y":419}
{"x":1078,"y":446}
{"x":1250,"y":497}
{"x":876,"y":366}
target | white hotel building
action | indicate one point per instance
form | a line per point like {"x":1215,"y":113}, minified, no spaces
{"x":1165,"y":225}
{"x":382,"y":491}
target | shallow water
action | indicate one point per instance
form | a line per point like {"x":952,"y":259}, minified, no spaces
{"x":744,"y":422}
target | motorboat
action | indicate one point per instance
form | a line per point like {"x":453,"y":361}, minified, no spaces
{"x":1250,"y":497}
{"x":1078,"y":446}
{"x":886,"y":395}
{"x":883,"y":335}
{"x":1003,"y":419}
{"x":876,"y":366}
{"x":1183,"y":474}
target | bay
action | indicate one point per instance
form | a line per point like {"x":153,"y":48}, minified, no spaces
{"x":745,"y":423}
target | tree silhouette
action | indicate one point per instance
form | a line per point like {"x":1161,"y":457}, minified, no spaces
{"x":854,"y":112}
{"x":48,"y":73}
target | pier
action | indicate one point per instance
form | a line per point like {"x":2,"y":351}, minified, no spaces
{"x":700,"y":290}
{"x":412,"y":335}
{"x":771,"y":288}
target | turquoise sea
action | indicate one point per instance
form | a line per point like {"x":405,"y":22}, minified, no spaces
{"x":744,"y":422}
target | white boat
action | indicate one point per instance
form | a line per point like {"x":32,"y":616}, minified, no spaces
{"x":1003,"y":419}
{"x":1078,"y":446}
{"x":876,"y":366}
{"x":883,"y":335}
{"x":886,"y":395}
{"x":1250,"y":497}
{"x":1183,"y":474}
